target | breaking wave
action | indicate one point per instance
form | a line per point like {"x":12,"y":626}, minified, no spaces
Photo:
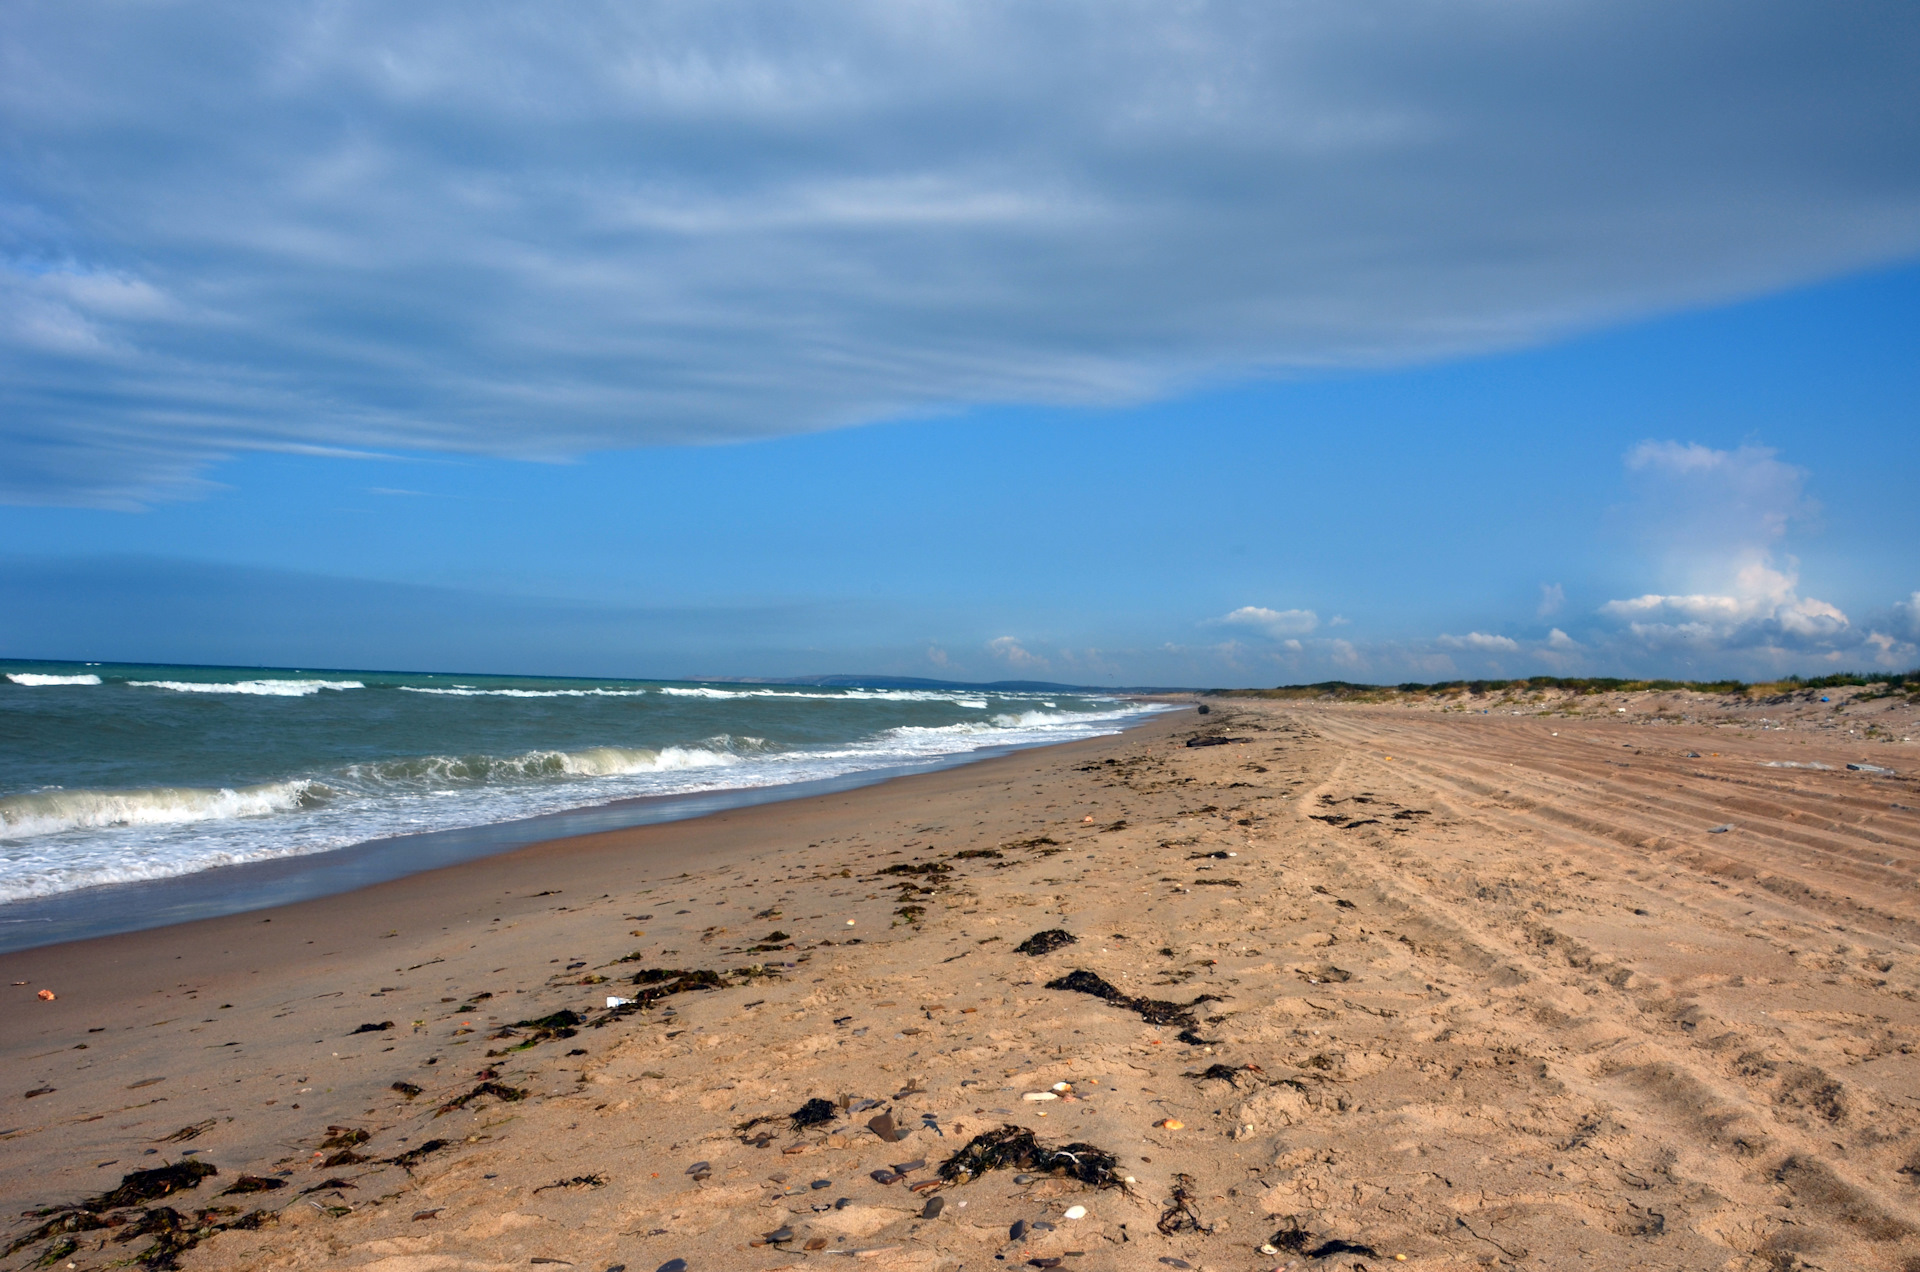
{"x":462,"y":691}
{"x":50,"y":812}
{"x":261,"y":688}
{"x":33,"y":678}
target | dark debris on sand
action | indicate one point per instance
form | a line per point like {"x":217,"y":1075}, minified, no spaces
{"x":1295,"y":1239}
{"x":1015,"y":1147}
{"x":1222,"y":1073}
{"x":1155,"y":1011}
{"x":173,"y":1233}
{"x":815,"y":1112}
{"x":498,"y":1090}
{"x":1046,"y":942}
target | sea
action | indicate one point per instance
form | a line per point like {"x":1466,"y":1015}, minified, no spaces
{"x":113,"y":774}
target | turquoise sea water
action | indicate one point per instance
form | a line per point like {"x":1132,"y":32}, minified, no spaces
{"x":111,"y":773}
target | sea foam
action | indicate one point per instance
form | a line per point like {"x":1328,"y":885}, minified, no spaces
{"x":33,"y":678}
{"x":260,"y":688}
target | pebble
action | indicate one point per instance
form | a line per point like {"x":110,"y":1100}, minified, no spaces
{"x":1039,"y":1095}
{"x":1075,"y":1212}
{"x":674,"y":1265}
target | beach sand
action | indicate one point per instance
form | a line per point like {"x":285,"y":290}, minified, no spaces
{"x":1485,"y":990}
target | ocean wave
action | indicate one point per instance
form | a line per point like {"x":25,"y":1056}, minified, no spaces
{"x":832,"y":695}
{"x":50,"y":812}
{"x":263,"y":688}
{"x":461,"y":692}
{"x":473,"y":770}
{"x":34,"y":678}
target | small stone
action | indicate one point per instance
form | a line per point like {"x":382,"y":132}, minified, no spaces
{"x":1075,"y":1212}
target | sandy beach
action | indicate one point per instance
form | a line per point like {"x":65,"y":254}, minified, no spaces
{"x":1544,"y":982}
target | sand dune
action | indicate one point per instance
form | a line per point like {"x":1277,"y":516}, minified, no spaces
{"x":1531,"y":990}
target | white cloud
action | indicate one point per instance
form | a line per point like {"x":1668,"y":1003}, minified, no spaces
{"x":448,"y":228}
{"x":1009,"y":650}
{"x":1553,"y":598}
{"x":1272,"y":623}
{"x":1481,"y":641}
{"x":1557,"y":639}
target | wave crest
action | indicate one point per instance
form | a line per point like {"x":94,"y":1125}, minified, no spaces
{"x":35,"y":678}
{"x":262,"y":688}
{"x":50,"y":812}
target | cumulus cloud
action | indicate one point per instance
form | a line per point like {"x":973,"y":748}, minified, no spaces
{"x":1716,"y":519}
{"x":1272,"y":623}
{"x":1009,"y":650}
{"x":444,"y":227}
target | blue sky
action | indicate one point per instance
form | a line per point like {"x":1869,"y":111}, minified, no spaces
{"x":1245,"y":347}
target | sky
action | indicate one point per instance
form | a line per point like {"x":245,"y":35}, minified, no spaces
{"x":1212,"y":344}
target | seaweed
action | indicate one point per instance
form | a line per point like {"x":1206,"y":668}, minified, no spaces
{"x":407,"y":1089}
{"x":141,"y":1186}
{"x":71,"y":1221}
{"x":413,"y":1156}
{"x":1294,"y":1238}
{"x":973,"y":854}
{"x":916,"y":868}
{"x":253,"y":1184}
{"x":174,"y":1233}
{"x":1155,"y":1011}
{"x":325,"y":1184}
{"x":577,"y":1181}
{"x":1222,"y":1073}
{"x":1015,"y":1147}
{"x":344,"y":1137}
{"x":382,"y":1027}
{"x":1046,"y":942}
{"x":654,"y":983}
{"x":561,"y":1024}
{"x":186,"y":1133}
{"x":1180,"y":1215}
{"x":815,"y":1112}
{"x":498,"y":1090}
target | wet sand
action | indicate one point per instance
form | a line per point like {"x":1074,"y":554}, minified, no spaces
{"x":1493,"y":990}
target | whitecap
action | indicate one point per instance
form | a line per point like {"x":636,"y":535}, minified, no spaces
{"x":264,"y":688}
{"x":54,"y":811}
{"x":35,"y":678}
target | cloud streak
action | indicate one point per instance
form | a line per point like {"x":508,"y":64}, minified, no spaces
{"x":443,"y":228}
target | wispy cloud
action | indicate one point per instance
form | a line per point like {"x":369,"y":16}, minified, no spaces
{"x":1009,"y":650}
{"x":446,"y":229}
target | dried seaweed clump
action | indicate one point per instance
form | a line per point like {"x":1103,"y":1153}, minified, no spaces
{"x":561,"y":1024}
{"x":916,"y":868}
{"x":498,"y":1090}
{"x":1155,"y":1011}
{"x":1014,"y":1147}
{"x":1222,"y":1073}
{"x":173,"y":1233}
{"x":815,"y":1112}
{"x":1046,"y":942}
{"x":143,"y":1186}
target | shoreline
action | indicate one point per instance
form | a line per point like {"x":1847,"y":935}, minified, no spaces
{"x":243,"y":887}
{"x":1609,"y":990}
